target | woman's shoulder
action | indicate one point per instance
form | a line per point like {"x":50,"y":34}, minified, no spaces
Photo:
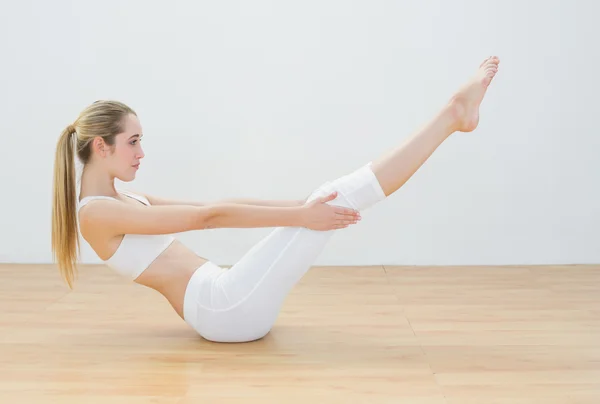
{"x":127,"y":193}
{"x":87,"y":199}
{"x":135,"y":195}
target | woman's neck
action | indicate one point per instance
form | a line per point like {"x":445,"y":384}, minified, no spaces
{"x":96,"y":181}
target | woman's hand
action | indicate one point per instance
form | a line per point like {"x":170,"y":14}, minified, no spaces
{"x":318,"y":215}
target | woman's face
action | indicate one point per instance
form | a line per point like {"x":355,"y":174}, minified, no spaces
{"x":124,"y":160}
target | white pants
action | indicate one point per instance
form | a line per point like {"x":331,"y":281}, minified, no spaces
{"x":241,"y":304}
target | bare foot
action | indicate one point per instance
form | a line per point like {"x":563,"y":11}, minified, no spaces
{"x":465,"y":103}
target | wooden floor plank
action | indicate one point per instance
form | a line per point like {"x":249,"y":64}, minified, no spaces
{"x":424,"y":335}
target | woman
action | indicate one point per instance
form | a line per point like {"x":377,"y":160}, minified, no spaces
{"x":131,"y":232}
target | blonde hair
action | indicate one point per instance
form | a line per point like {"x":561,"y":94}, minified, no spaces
{"x":101,"y":119}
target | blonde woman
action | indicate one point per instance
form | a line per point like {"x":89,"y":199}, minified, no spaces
{"x":132,"y":232}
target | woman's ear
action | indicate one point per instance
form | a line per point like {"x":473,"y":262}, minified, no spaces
{"x":99,"y":146}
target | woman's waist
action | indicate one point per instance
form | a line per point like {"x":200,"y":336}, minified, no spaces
{"x":171,"y":270}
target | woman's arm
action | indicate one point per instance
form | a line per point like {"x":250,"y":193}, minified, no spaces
{"x":238,"y":201}
{"x":316,"y":215}
{"x":115,"y":218}
{"x":122,"y":218}
{"x":233,"y":215}
{"x":265,"y":202}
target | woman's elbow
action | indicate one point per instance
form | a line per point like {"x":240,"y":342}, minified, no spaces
{"x":210,"y":217}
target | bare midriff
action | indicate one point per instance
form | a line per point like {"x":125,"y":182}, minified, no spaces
{"x":170,"y":273}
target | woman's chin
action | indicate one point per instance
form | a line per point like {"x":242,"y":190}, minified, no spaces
{"x":126,"y":178}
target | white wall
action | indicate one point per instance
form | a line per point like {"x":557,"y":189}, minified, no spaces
{"x":268,"y":99}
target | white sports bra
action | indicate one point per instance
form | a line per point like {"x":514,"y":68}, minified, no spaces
{"x":136,"y":251}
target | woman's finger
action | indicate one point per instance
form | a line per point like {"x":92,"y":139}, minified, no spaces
{"x":346,"y":221}
{"x":329,"y":197}
{"x":346,"y":211}
{"x":349,"y":215}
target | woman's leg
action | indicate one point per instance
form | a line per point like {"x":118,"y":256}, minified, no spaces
{"x":461,"y":114}
{"x":242,"y":303}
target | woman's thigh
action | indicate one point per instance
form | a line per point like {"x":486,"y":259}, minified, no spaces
{"x":244,"y":301}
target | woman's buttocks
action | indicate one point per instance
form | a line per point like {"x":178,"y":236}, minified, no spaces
{"x":170,"y":273}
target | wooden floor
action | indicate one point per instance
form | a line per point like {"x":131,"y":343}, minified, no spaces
{"x":419,"y":335}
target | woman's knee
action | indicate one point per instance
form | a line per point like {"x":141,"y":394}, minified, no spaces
{"x":358,"y":190}
{"x":323,"y":190}
{"x":327,"y":189}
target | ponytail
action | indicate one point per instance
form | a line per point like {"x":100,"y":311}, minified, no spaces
{"x":65,"y":241}
{"x":103,"y":118}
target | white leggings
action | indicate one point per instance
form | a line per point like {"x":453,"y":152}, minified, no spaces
{"x":241,"y":304}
